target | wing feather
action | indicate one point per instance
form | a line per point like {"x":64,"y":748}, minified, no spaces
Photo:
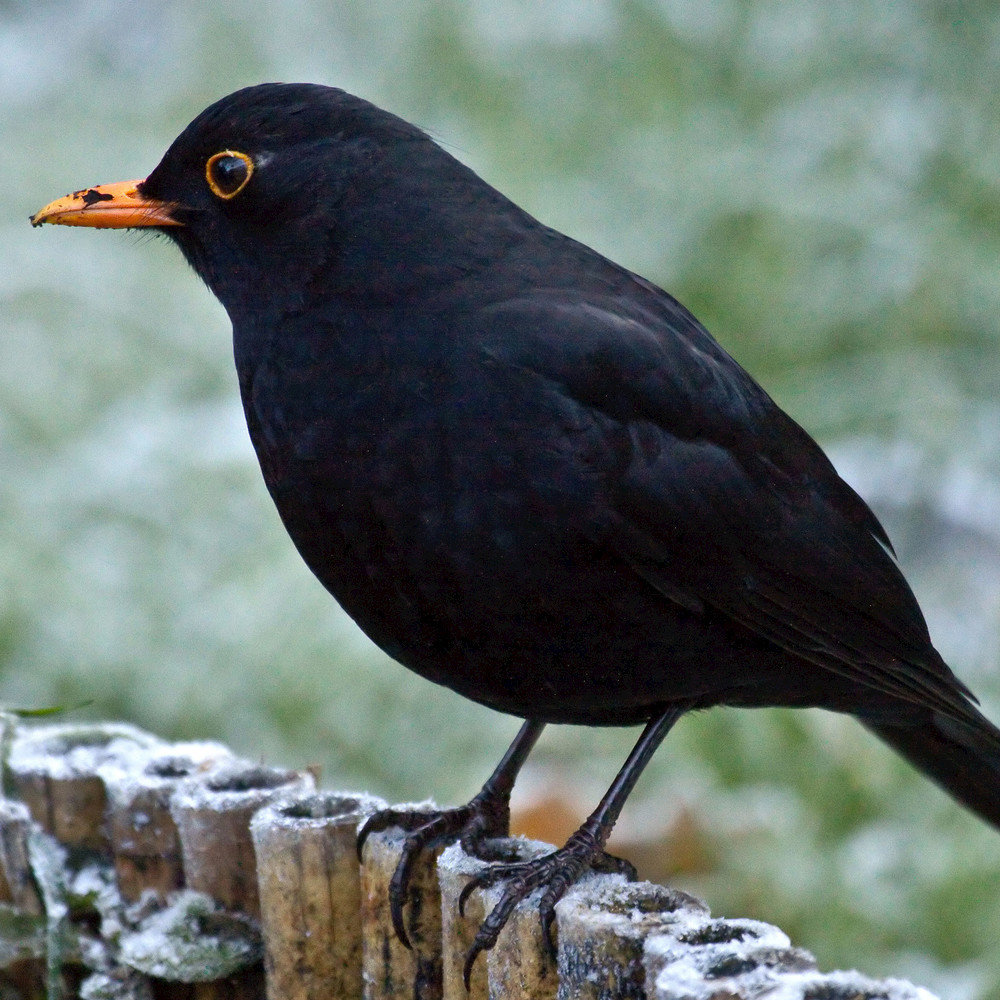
{"x":719,"y":499}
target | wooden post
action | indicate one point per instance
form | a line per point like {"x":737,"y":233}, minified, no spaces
{"x":294,"y":870}
{"x":455,"y":871}
{"x":17,"y":884}
{"x":54,"y":770}
{"x":144,"y":841}
{"x":212,"y":812}
{"x":519,"y":965}
{"x":603,"y":923}
{"x":24,"y":971}
{"x":741,"y":959}
{"x":310,"y":894}
{"x":389,"y":969}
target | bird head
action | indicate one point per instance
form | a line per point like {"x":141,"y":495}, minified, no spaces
{"x":281,"y":192}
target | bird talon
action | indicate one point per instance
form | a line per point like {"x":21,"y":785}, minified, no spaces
{"x":484,"y":818}
{"x":408,"y":820}
{"x":470,"y":960}
{"x":548,"y":918}
{"x":553,"y":893}
{"x":486,"y":936}
{"x":463,"y":896}
{"x":398,"y":886}
{"x":420,"y":837}
{"x":371,"y":825}
{"x":398,"y":924}
{"x":521,"y":880}
{"x":482,"y":880}
{"x":609,"y":864}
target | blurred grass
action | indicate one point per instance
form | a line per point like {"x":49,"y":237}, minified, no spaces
{"x":818,"y":182}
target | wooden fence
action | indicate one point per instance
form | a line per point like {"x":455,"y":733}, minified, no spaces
{"x":133,"y":869}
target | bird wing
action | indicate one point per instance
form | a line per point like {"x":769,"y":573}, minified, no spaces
{"x":715,"y":496}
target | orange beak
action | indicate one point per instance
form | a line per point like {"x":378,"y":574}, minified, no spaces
{"x":107,"y":206}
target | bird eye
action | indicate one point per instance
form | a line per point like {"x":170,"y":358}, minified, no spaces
{"x":227,"y":173}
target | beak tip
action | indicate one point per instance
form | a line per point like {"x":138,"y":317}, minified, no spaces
{"x":107,"y":206}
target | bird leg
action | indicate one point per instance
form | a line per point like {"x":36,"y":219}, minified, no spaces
{"x":562,"y":868}
{"x":486,"y":816}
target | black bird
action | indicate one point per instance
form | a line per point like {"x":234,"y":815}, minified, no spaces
{"x":527,"y":473}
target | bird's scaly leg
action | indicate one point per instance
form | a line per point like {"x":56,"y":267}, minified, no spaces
{"x":485,"y":817}
{"x":582,"y":852}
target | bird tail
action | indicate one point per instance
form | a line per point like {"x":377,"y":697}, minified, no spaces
{"x":960,"y":755}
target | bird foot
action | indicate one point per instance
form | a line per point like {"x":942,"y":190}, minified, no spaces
{"x":486,"y":817}
{"x":556,"y":872}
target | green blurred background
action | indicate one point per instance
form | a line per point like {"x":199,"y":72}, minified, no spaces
{"x":817,"y":181}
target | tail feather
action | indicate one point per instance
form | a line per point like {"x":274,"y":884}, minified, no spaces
{"x":962,"y":756}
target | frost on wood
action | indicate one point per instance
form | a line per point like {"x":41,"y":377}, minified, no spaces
{"x":193,"y":940}
{"x":133,"y":869}
{"x":66,"y":926}
{"x":54,"y":769}
{"x":518,"y":965}
{"x":603,"y":924}
{"x":388,"y":968}
{"x":746,"y":960}
{"x":72,"y":751}
{"x":310,"y":894}
{"x":213,"y":814}
{"x":144,"y":840}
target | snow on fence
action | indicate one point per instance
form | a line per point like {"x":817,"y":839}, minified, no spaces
{"x":134,"y":869}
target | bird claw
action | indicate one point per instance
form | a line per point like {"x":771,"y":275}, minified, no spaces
{"x":408,"y":820}
{"x":476,"y":825}
{"x":485,"y":817}
{"x":556,"y":872}
{"x":611,"y":864}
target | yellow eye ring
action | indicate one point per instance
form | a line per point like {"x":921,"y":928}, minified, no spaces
{"x":228,"y":172}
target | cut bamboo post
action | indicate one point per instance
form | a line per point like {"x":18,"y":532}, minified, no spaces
{"x":522,"y":966}
{"x":721,"y":951}
{"x":455,"y":870}
{"x":24,"y":967}
{"x":310,"y":894}
{"x":144,"y":841}
{"x":389,"y":969}
{"x":293,"y":871}
{"x":519,"y":965}
{"x":17,"y":884}
{"x":212,"y":812}
{"x":54,"y":770}
{"x":746,"y":959}
{"x":603,"y":923}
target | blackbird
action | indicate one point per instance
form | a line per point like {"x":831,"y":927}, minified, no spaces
{"x":527,"y":473}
